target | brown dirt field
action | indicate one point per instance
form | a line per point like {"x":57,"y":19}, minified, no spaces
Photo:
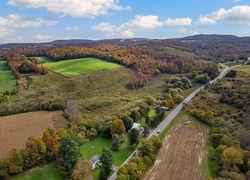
{"x":15,"y":129}
{"x":182,"y":154}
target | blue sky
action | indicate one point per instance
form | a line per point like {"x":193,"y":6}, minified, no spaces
{"x":46,"y":20}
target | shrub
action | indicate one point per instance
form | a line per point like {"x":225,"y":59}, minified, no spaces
{"x":202,"y":78}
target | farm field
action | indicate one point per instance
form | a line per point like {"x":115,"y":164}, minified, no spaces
{"x":182,"y":154}
{"x":15,"y":129}
{"x":75,"y":67}
{"x":40,"y":173}
{"x":8,"y":81}
{"x":244,"y":69}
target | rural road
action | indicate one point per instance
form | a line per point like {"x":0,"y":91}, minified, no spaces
{"x":175,"y":112}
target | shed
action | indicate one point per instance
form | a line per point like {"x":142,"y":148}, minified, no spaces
{"x":95,"y":161}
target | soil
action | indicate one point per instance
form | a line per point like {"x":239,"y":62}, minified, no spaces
{"x":182,"y":155}
{"x":15,"y":129}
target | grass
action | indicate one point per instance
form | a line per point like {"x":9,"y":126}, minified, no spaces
{"x":95,"y":147}
{"x":179,"y":52}
{"x":212,"y":167}
{"x":46,"y":172}
{"x":8,"y":81}
{"x":244,"y":69}
{"x":75,"y":67}
{"x":42,"y":59}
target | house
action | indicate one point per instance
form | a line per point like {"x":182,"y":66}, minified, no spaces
{"x":138,"y":127}
{"x":95,"y":162}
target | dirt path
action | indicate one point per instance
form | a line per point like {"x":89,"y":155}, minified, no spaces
{"x":15,"y":129}
{"x":182,"y":154}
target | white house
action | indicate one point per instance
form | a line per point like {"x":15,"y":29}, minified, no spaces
{"x":138,"y":126}
{"x":95,"y":162}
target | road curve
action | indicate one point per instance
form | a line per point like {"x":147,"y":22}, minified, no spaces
{"x":175,"y":112}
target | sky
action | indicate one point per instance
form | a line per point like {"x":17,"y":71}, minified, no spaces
{"x":47,"y":20}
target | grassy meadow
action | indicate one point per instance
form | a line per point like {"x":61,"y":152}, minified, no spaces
{"x":95,"y":147}
{"x":244,"y":69}
{"x":8,"y":81}
{"x":76,"y":67}
{"x":40,"y":173}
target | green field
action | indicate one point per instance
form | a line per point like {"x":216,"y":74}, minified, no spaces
{"x":7,"y":82}
{"x":75,"y":67}
{"x":46,"y":172}
{"x":244,"y":69}
{"x":178,"y":52}
{"x":95,"y":147}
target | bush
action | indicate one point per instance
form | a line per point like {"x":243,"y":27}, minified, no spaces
{"x":202,"y":78}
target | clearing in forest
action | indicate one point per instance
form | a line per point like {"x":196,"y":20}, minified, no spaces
{"x":15,"y":129}
{"x":75,"y":67}
{"x":7,"y":81}
{"x":182,"y":154}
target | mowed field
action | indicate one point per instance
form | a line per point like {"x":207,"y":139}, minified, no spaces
{"x":7,"y":79}
{"x":75,"y":67}
{"x":182,"y":154}
{"x":15,"y":129}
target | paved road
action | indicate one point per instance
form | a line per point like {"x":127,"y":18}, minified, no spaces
{"x":175,"y":112}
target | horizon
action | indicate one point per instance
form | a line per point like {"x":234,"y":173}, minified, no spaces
{"x":122,"y":39}
{"x":29,"y":21}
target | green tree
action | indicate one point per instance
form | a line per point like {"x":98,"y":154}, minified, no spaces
{"x":128,"y":122}
{"x":116,"y":142}
{"x":134,"y":135}
{"x":68,"y":156}
{"x":3,"y":172}
{"x":106,"y":160}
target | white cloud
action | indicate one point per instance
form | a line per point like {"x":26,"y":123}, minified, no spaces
{"x":128,"y":29}
{"x":144,"y":22}
{"x":75,"y":8}
{"x":179,"y":22}
{"x":43,"y":37}
{"x":73,"y":28}
{"x":4,"y":32}
{"x":237,"y":15}
{"x":139,"y":23}
{"x":16,"y":21}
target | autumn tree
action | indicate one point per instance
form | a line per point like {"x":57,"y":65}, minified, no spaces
{"x":15,"y":162}
{"x":117,"y":127}
{"x":232,"y":156}
{"x":36,"y":149}
{"x":68,"y":156}
{"x":51,"y":140}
